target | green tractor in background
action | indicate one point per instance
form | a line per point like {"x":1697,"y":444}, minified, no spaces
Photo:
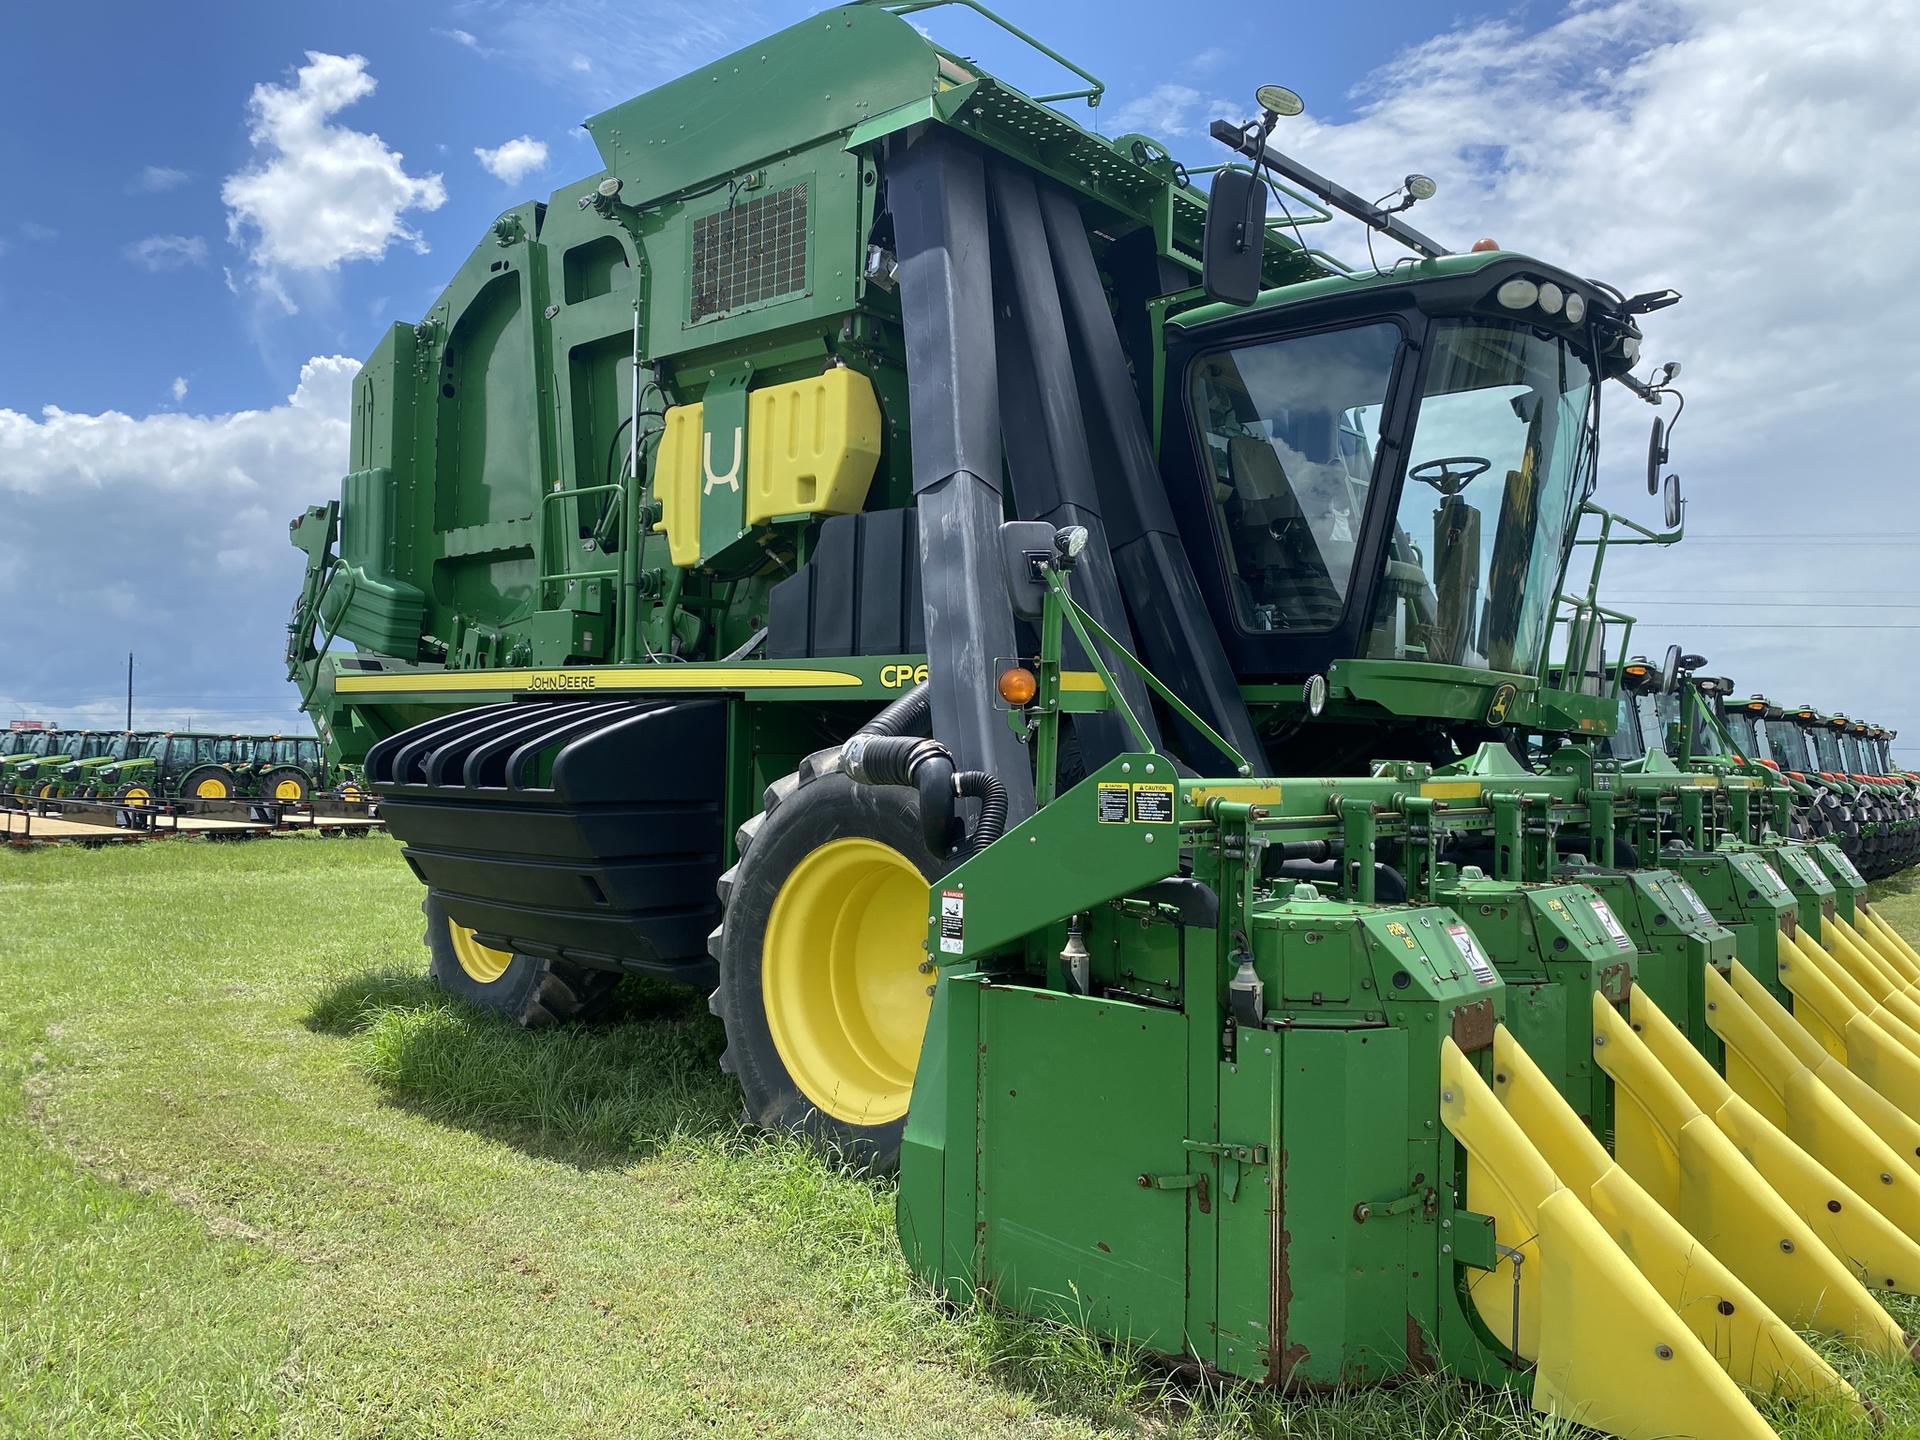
{"x":26,"y":750}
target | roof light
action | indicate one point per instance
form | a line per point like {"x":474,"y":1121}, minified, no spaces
{"x":1484,"y":245}
{"x":1278,"y":100}
{"x":1552,"y":297}
{"x":1576,"y":308}
{"x":1422,"y":187}
{"x":1518,"y":293}
{"x":1630,"y":349}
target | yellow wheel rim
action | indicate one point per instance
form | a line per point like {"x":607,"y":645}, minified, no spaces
{"x":483,"y":963}
{"x":137,"y":796}
{"x":288,"y":790}
{"x":840,"y":976}
{"x":210,"y":790}
{"x":351,"y":795}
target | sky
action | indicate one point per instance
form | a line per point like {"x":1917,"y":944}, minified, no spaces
{"x":216,"y":208}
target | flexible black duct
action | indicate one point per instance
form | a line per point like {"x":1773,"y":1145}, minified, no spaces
{"x":1389,"y":885}
{"x":927,"y":766}
{"x":909,"y":715}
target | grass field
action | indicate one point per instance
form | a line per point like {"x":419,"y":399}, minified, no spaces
{"x":257,"y":1178}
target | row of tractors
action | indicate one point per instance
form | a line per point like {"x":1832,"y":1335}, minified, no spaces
{"x":138,"y":768}
{"x":1847,"y":787}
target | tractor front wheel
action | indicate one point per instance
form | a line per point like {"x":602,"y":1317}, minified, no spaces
{"x":208,"y":782}
{"x":529,"y":992}
{"x":825,"y":983}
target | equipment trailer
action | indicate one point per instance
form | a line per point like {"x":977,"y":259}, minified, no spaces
{"x":868,"y":562}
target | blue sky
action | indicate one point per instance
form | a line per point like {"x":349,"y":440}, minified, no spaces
{"x":166,"y":90}
{"x":215,"y":209}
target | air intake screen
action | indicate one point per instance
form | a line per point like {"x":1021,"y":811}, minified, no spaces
{"x":749,"y":252}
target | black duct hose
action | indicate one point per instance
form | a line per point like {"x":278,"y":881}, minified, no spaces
{"x":906,"y":716}
{"x":927,"y":766}
{"x":992,"y":795}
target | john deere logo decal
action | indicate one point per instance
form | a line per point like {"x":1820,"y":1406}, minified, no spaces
{"x":1502,"y":702}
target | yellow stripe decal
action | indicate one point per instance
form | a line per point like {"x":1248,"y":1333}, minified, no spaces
{"x":1451,"y":789}
{"x":1085,"y":682}
{"x":637,"y":677}
{"x":1249,"y":794}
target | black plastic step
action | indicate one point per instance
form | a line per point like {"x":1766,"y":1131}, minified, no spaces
{"x":588,"y":831}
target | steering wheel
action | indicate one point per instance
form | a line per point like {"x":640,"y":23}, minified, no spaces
{"x":1450,"y":475}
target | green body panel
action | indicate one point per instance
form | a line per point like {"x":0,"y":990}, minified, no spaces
{"x":1675,"y":936}
{"x":1554,"y":946}
{"x":1748,"y":896}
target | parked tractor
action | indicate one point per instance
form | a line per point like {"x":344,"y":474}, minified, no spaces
{"x":1052,"y":654}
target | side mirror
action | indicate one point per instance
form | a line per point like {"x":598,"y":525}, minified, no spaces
{"x":1656,"y":454}
{"x":1673,"y":502}
{"x":1025,"y":548}
{"x":1670,"y":670}
{"x":1232,"y":245}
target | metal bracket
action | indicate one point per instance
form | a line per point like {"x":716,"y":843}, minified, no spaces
{"x":1238,"y":1156}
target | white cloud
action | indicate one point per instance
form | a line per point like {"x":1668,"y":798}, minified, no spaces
{"x":158,"y":179}
{"x":514,"y":160}
{"x":167,"y":252}
{"x":463,"y":37}
{"x":1206,"y":61}
{"x":1171,"y":111}
{"x":178,"y":388}
{"x":603,"y":51}
{"x":320,"y":193}
{"x":40,"y":234}
{"x":194,"y":509}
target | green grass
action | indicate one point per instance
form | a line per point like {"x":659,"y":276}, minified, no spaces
{"x":257,"y":1177}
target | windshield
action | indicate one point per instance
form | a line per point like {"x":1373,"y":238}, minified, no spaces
{"x":1496,"y":470}
{"x":1741,"y":725}
{"x":1290,"y":428}
{"x":1653,"y":727}
{"x":1827,"y":745}
{"x":1850,"y":748}
{"x":1787,"y":742}
{"x":1625,"y":743}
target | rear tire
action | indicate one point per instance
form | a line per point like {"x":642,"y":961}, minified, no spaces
{"x":529,"y":992}
{"x":820,"y":949}
{"x":286,"y":784}
{"x":208,"y":782}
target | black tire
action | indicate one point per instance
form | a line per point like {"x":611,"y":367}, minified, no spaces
{"x":803,"y":813}
{"x":208,"y":777}
{"x":290,"y":778}
{"x":529,"y":992}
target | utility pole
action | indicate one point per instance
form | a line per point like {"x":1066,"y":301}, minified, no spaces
{"x":129,"y":689}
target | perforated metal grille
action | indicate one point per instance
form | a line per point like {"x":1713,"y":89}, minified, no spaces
{"x":752,"y":251}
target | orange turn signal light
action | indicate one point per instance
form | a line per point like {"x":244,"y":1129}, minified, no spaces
{"x":1483,"y":245}
{"x":1017,"y":685}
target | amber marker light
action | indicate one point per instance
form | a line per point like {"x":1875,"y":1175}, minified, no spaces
{"x":1017,"y":685}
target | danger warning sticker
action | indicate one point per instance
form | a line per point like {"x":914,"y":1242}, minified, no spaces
{"x":1152,"y":804}
{"x":1611,"y":924}
{"x":953,"y":922}
{"x":1470,"y":952}
{"x":1113,"y":803}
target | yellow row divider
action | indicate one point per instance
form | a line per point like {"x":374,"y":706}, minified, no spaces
{"x":1891,"y":1115}
{"x":1799,"y":1104}
{"x":1869,"y":972}
{"x":1901,"y":970}
{"x":1873,"y":1246}
{"x":1842,"y":978}
{"x":1681,"y":1157}
{"x":1608,"y":1351}
{"x":1848,"y":1033}
{"x":1753,"y":1345}
{"x":1893,"y":937}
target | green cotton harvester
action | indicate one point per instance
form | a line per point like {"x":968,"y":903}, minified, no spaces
{"x":1050,"y":652}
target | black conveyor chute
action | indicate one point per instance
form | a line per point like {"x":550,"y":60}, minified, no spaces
{"x":1174,"y":628}
{"x":1046,"y":440}
{"x":585,"y":830}
{"x":936,"y":189}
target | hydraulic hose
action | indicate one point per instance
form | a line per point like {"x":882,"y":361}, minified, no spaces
{"x":926,"y":765}
{"x":906,"y":716}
